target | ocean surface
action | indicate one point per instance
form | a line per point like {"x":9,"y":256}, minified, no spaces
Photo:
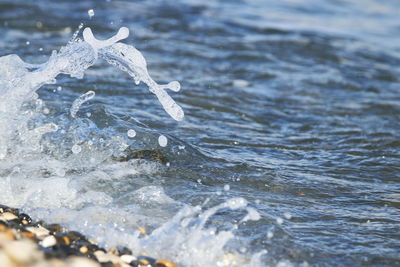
{"x":288,"y":154}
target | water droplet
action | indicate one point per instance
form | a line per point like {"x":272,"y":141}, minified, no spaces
{"x":131,"y":133}
{"x":227,"y":187}
{"x":279,"y":220}
{"x":28,"y":43}
{"x":162,"y":141}
{"x":90,"y":13}
{"x":59,"y":88}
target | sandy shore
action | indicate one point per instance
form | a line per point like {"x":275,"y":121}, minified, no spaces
{"x":24,"y":242}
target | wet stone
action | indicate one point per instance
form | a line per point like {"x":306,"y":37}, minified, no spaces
{"x":48,"y":241}
{"x":84,"y":249}
{"x":39,"y":231}
{"x":153,"y":155}
{"x":23,"y":242}
{"x":144,"y":260}
{"x":8,"y":209}
{"x":28,"y":235}
{"x":124,"y":251}
{"x":128,"y":258}
{"x":113,"y":251}
{"x":165,"y":263}
{"x":55,"y":228}
{"x":8,"y":216}
{"x":25,"y":219}
{"x":63,"y":240}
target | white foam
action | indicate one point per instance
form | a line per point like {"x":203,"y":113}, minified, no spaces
{"x":162,"y":141}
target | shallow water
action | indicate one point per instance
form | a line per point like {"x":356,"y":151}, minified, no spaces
{"x":292,"y":107}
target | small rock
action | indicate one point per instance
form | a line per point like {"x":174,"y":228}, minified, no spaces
{"x":39,"y":231}
{"x":25,"y":219}
{"x":128,"y":258}
{"x":113,"y":251}
{"x":81,"y":262}
{"x":105,"y":257}
{"x":5,"y":260}
{"x":55,"y":228}
{"x":63,"y":239}
{"x":144,"y":260}
{"x":3,"y":226}
{"x":22,"y":251}
{"x":142,"y":230}
{"x":28,"y":235}
{"x":8,"y":216}
{"x":7,"y":235}
{"x":83,"y":249}
{"x":124,"y":251}
{"x":165,"y":263}
{"x":48,"y":241}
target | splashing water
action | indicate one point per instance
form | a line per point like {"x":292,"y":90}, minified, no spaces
{"x":79,"y":101}
{"x":19,"y":80}
{"x":61,"y":169}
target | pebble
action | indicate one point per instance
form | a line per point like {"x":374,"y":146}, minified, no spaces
{"x":7,"y":235}
{"x":165,"y":263}
{"x":22,"y":251}
{"x":8,"y":216}
{"x":28,"y":235}
{"x":142,"y":230}
{"x":106,"y":257}
{"x":128,"y":258}
{"x":25,"y":219}
{"x":39,"y":231}
{"x":144,"y":260}
{"x":27,"y":243}
{"x":81,"y":262}
{"x":84,"y":249}
{"x":48,"y":241}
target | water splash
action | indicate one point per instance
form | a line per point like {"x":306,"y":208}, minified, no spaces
{"x":79,"y":101}
{"x":60,"y":168}
{"x":20,"y":80}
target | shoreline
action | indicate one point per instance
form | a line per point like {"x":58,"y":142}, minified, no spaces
{"x":24,"y":242}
